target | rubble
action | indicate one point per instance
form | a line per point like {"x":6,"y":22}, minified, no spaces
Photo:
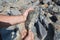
{"x":44,"y":21}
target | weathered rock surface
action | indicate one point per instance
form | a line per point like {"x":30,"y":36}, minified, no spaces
{"x":44,"y":21}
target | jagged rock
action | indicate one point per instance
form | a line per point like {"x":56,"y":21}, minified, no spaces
{"x":42,"y":16}
{"x":57,"y":2}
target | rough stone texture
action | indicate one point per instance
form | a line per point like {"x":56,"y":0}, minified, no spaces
{"x":44,"y":21}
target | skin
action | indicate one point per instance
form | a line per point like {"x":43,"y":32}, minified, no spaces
{"x":12,"y":20}
{"x":30,"y":35}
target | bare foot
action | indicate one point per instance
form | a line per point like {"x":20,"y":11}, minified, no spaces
{"x":23,"y":33}
{"x":30,"y":35}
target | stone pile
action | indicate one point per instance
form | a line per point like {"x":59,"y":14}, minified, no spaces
{"x":44,"y":21}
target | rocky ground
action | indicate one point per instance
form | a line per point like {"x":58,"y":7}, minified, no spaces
{"x":44,"y":21}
